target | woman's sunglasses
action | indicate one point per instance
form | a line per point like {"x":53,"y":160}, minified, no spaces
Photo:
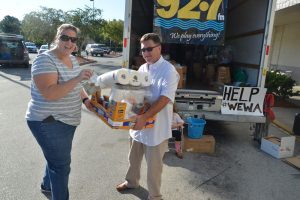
{"x":66,"y":38}
{"x":149,"y":49}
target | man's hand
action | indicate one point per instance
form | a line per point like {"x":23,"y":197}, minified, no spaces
{"x":140,"y":122}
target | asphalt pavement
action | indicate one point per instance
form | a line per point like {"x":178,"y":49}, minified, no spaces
{"x":238,"y":170}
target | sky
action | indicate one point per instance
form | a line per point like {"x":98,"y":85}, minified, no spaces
{"x":111,"y":9}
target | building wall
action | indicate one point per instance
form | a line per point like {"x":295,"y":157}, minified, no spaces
{"x":281,"y":4}
{"x":285,"y":47}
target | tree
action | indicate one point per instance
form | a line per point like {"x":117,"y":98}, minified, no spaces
{"x":280,"y":84}
{"x":10,"y":24}
{"x":41,"y":26}
{"x":88,"y":21}
{"x":113,"y":30}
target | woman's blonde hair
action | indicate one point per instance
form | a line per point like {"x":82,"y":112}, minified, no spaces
{"x":64,"y":27}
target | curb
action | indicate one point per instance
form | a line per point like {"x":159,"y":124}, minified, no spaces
{"x":282,"y":126}
{"x":84,"y":61}
{"x":285,"y":128}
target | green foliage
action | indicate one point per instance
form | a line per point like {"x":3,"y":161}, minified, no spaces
{"x":40,"y":27}
{"x":280,"y":84}
{"x":10,"y":24}
{"x":113,"y":30}
{"x":88,"y":21}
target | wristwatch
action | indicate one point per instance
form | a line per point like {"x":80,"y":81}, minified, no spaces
{"x":84,"y":99}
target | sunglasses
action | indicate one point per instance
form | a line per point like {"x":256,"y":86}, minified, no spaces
{"x":66,"y":38}
{"x":149,"y":49}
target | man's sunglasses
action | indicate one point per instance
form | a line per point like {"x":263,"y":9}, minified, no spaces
{"x":149,"y":49}
{"x":66,"y":38}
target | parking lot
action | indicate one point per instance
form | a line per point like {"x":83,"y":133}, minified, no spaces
{"x":237,"y":170}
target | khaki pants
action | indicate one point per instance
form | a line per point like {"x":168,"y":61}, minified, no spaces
{"x":153,"y":156}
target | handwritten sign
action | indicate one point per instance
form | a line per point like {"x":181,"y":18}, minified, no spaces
{"x":190,"y":21}
{"x":243,"y":100}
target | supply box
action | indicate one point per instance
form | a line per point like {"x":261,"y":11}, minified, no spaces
{"x":113,"y":114}
{"x":206,"y":144}
{"x":182,"y":74}
{"x":278,"y":147}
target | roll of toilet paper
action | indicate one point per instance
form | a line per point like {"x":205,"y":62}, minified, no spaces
{"x":145,"y":79}
{"x":108,"y":79}
{"x":134,"y":78}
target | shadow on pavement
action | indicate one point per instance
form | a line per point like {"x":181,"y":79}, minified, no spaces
{"x":139,"y":192}
{"x":23,"y":73}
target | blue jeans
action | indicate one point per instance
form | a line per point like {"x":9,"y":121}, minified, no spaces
{"x":55,"y":138}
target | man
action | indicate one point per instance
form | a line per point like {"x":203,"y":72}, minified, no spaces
{"x":152,"y":142}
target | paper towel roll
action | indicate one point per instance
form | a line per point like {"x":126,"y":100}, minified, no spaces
{"x":118,"y":94}
{"x":145,"y":79}
{"x":128,"y":111}
{"x":108,"y":79}
{"x":135,"y":78}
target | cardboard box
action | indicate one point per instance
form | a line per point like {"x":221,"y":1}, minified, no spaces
{"x":223,"y":74}
{"x":197,"y":70}
{"x":114,"y":116}
{"x":278,"y":147}
{"x":210,"y":72}
{"x":294,"y":161}
{"x":206,"y":144}
{"x":182,"y":73}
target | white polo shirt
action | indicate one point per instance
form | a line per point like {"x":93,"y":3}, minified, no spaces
{"x":164,"y":83}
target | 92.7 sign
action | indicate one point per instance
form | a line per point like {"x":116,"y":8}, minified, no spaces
{"x":198,"y":22}
{"x":191,"y":9}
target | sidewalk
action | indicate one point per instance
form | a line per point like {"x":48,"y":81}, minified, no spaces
{"x":285,"y":116}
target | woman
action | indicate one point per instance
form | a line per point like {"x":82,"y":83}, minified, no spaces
{"x":54,"y":110}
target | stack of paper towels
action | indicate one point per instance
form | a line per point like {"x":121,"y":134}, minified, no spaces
{"x":124,"y":77}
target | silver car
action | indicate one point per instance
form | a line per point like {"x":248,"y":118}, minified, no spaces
{"x":94,"y":50}
{"x":43,"y":48}
{"x":31,"y":47}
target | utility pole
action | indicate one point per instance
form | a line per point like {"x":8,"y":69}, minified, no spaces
{"x":93,"y":9}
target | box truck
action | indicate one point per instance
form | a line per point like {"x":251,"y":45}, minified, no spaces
{"x":212,"y":44}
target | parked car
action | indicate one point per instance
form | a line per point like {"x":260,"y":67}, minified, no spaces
{"x":94,"y":49}
{"x":13,"y":50}
{"x":107,"y":50}
{"x":31,"y":47}
{"x":43,"y":48}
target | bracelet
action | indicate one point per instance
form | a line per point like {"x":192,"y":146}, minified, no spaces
{"x":84,"y":99}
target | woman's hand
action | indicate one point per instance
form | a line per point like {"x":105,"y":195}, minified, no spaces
{"x":88,"y":105}
{"x":85,"y":74}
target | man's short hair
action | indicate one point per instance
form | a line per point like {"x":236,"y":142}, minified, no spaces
{"x":151,"y":36}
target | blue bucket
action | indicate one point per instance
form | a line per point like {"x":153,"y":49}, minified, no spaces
{"x":195,"y":127}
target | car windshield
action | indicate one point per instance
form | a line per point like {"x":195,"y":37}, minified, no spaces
{"x":44,"y":47}
{"x":10,"y":49}
{"x":29,"y":44}
{"x":96,"y":46}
